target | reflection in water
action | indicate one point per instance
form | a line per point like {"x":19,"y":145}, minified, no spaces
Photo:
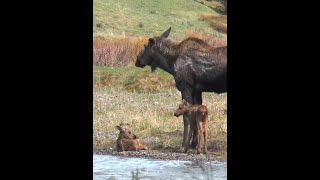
{"x":118,"y":168}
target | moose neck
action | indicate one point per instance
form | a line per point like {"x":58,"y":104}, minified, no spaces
{"x":167,"y":55}
{"x":162,"y":63}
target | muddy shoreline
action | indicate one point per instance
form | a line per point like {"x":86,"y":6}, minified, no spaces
{"x":166,"y":154}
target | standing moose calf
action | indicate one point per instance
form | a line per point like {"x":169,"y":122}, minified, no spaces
{"x":198,"y":117}
{"x":127,"y":141}
{"x":195,"y":65}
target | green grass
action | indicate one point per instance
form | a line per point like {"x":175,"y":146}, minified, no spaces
{"x":148,"y":110}
{"x":132,"y":79}
{"x":147,"y":18}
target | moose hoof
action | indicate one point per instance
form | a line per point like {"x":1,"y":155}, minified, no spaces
{"x":184,"y":145}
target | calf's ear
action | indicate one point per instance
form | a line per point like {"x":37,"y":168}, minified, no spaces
{"x":119,"y":128}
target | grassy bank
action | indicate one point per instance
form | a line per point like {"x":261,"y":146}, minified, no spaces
{"x":147,"y":102}
{"x":149,"y":18}
{"x":121,"y":28}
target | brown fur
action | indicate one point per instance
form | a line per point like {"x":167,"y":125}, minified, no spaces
{"x":127,"y":141}
{"x":198,"y":116}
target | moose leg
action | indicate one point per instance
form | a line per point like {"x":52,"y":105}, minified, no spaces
{"x":194,"y":138}
{"x":122,"y":149}
{"x":186,"y":124}
{"x":192,"y":127}
{"x":197,"y":99}
{"x":205,"y":137}
{"x":186,"y":95}
{"x":199,"y":129}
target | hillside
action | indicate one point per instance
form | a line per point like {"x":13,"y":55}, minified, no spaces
{"x":148,"y":18}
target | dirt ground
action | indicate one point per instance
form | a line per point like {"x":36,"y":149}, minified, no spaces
{"x":217,"y":149}
{"x":169,"y":153}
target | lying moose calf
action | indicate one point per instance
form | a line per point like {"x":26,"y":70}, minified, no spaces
{"x":198,"y":117}
{"x":128,"y":141}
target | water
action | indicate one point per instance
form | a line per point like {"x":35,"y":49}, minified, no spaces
{"x":118,"y":168}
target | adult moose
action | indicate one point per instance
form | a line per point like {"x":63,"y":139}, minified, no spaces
{"x":195,"y":65}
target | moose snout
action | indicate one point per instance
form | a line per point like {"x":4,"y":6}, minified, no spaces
{"x":137,"y":64}
{"x":176,"y":114}
{"x":140,"y":62}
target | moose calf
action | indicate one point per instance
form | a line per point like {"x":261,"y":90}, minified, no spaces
{"x":127,"y":141}
{"x":198,"y":115}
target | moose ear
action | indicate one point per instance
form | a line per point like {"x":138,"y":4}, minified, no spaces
{"x":152,"y":41}
{"x":166,"y":33}
{"x":119,"y":128}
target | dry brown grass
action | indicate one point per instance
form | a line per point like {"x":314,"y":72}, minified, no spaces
{"x":123,"y":50}
{"x":219,"y":6}
{"x":218,"y":23}
{"x":150,"y":115}
{"x":208,"y":37}
{"x":116,"y":51}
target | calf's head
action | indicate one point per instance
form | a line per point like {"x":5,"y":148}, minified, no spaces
{"x":183,"y":108}
{"x":125,"y":133}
